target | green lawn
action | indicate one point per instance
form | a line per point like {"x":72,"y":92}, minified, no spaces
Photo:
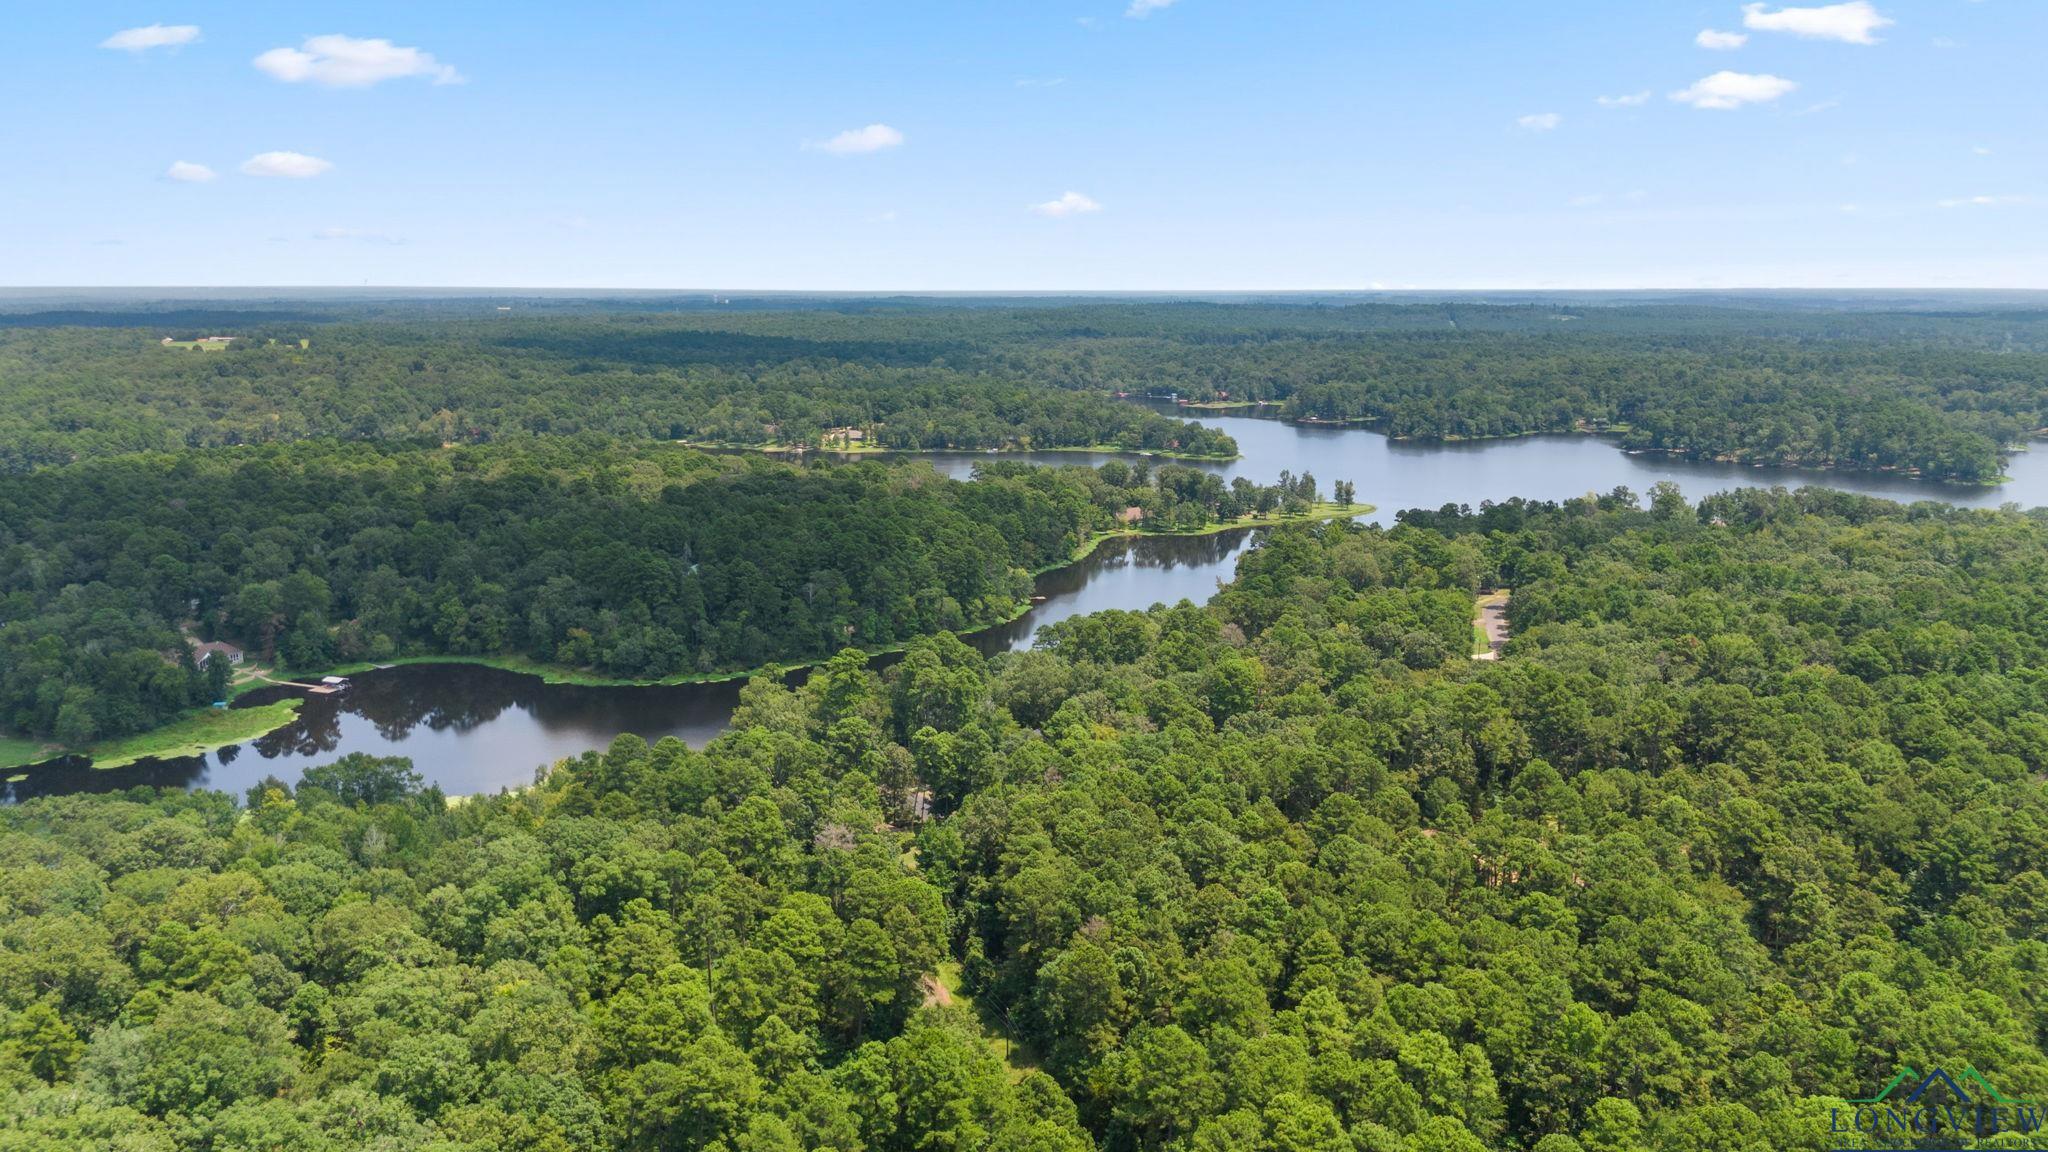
{"x":18,"y":750}
{"x":1016,"y":1056}
{"x":1315,"y":513}
{"x":196,"y":732}
{"x":549,"y":673}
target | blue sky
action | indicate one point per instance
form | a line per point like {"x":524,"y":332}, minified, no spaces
{"x":1206,"y":144}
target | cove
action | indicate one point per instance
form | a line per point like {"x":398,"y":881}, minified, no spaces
{"x":471,"y":729}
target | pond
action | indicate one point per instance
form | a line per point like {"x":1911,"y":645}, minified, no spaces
{"x":473,"y":729}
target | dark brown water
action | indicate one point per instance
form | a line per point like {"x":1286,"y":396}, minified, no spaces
{"x":471,"y":729}
{"x":466,"y":727}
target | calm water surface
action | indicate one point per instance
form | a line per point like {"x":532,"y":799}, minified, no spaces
{"x":471,"y":729}
{"x":1392,"y":475}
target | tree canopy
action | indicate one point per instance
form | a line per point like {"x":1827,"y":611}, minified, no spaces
{"x":1750,"y":815}
{"x":639,"y":561}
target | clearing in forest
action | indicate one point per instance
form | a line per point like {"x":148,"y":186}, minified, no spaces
{"x":1490,"y":625}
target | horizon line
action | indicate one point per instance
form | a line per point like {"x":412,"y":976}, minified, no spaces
{"x":536,"y":289}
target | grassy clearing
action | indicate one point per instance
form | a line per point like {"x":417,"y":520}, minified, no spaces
{"x":1120,"y":450}
{"x":1315,"y":514}
{"x":194,"y":733}
{"x":1015,"y":1055}
{"x":16,"y":751}
{"x":549,"y":673}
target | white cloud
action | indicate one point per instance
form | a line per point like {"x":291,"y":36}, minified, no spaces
{"x":1983,"y":201}
{"x":1540,"y":122}
{"x":346,"y":62}
{"x":1140,"y":9}
{"x":1071,"y":204}
{"x":154,"y":36}
{"x":1724,"y":90}
{"x":1626,"y":100}
{"x":291,"y":165}
{"x":856,"y":141}
{"x":186,"y":172}
{"x":1981,"y":151}
{"x":1851,"y":23}
{"x":1715,"y":41}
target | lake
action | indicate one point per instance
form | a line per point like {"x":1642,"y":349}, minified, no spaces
{"x":473,"y":729}
{"x":1393,"y":475}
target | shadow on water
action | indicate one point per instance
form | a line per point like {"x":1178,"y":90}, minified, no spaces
{"x":473,"y":729}
{"x":466,"y":727}
{"x":1129,"y":574}
{"x":469,"y":728}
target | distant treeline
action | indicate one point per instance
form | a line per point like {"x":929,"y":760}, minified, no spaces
{"x":1940,"y":393}
{"x":1944,"y":412}
{"x":73,"y":393}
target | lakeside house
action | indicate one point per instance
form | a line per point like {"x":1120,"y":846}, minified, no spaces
{"x":202,"y":652}
{"x":1131,"y":515}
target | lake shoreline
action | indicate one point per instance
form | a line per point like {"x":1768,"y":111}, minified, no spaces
{"x":1612,"y":433}
{"x":778,"y":449}
{"x":194,"y":733}
{"x":213,"y":729}
{"x":1539,"y":466}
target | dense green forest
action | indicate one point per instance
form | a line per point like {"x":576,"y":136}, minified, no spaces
{"x":1750,"y":815}
{"x":1939,"y":393}
{"x":640,"y":561}
{"x":69,"y":393}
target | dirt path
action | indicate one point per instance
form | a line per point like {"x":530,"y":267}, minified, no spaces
{"x":1490,"y":625}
